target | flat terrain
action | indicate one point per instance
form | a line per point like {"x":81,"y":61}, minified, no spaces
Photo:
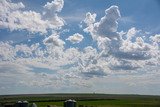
{"x":87,"y":100}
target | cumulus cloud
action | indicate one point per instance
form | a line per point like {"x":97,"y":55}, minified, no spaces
{"x":27,"y":20}
{"x":96,"y":71}
{"x":131,"y":32}
{"x":64,"y":64}
{"x":137,"y":52}
{"x":138,"y":48}
{"x":91,"y":65}
{"x":90,"y":18}
{"x":156,"y":38}
{"x":14,"y":17}
{"x":54,"y":39}
{"x":51,"y":13}
{"x":123,"y":64}
{"x":113,"y":55}
{"x":19,"y":75}
{"x":123,"y":46}
{"x":68,"y":65}
{"x":107,"y":45}
{"x":76,"y":38}
{"x":7,"y":51}
{"x":105,"y":31}
{"x":53,"y":57}
{"x":54,"y":6}
{"x":107,"y":26}
{"x":8,"y":6}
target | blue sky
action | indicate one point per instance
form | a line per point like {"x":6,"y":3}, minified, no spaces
{"x":81,"y":46}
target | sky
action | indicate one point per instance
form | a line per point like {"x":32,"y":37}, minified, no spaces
{"x":80,"y":46}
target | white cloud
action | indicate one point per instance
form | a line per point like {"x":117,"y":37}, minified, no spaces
{"x":54,"y":6}
{"x":136,"y":54}
{"x":76,"y":38}
{"x":103,"y":43}
{"x":55,"y":22}
{"x":138,"y":45}
{"x":107,"y":26}
{"x":7,"y":6}
{"x":73,"y":67}
{"x":28,"y":20}
{"x":50,"y":14}
{"x":53,"y":58}
{"x":19,"y":75}
{"x":93,"y":70}
{"x":131,"y":32}
{"x":91,"y":65}
{"x":13,"y":17}
{"x":130,"y":52}
{"x":105,"y":31}
{"x":54,"y":39}
{"x":139,"y":49}
{"x":156,"y":38}
{"x":90,"y":18}
{"x":122,"y":64}
{"x":7,"y":52}
{"x":108,"y":22}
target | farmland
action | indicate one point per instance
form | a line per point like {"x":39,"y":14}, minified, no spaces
{"x":89,"y":100}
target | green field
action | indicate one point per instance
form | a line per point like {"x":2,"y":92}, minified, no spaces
{"x":87,"y":100}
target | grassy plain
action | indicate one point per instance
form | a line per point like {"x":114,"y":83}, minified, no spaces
{"x":89,"y":100}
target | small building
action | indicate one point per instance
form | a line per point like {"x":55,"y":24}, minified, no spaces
{"x":21,"y":104}
{"x":70,"y":103}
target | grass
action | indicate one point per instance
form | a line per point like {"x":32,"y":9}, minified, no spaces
{"x":94,"y":100}
{"x":108,"y":103}
{"x":121,"y":103}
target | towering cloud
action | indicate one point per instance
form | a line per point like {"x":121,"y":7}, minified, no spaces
{"x":105,"y":31}
{"x":51,"y":13}
{"x":106,"y":27}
